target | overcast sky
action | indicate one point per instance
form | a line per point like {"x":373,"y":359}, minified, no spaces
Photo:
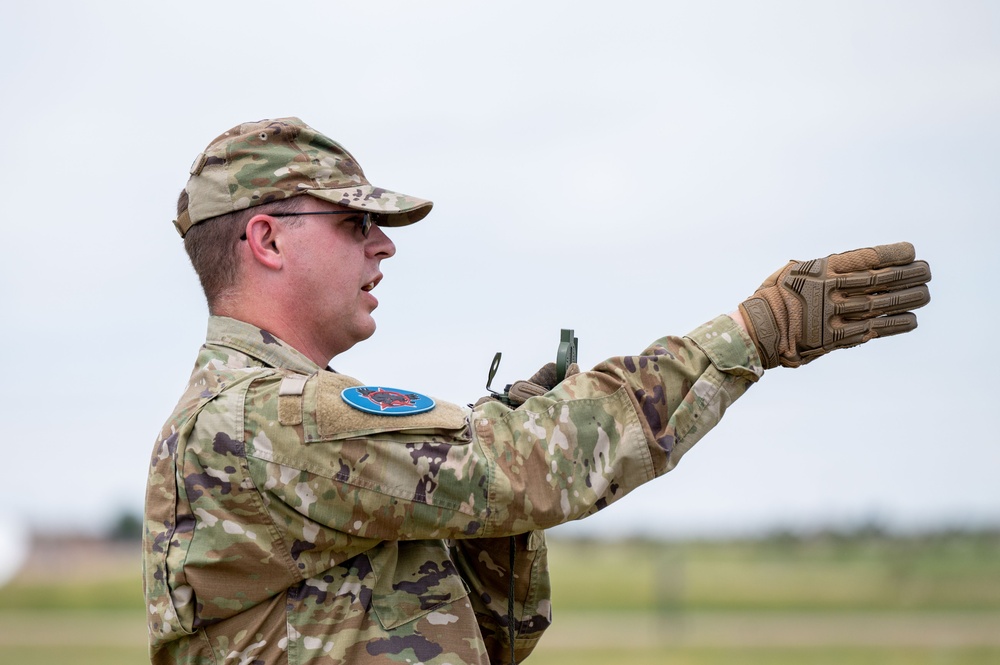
{"x":628,"y":170}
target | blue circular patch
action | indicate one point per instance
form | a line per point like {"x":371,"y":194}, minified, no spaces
{"x":387,"y":401}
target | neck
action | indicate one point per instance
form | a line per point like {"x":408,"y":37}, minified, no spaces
{"x":280,"y":324}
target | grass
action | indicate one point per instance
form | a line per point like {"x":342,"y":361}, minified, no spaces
{"x":849,"y":601}
{"x":107,"y":593}
{"x":826,"y":599}
{"x":51,"y":655}
{"x":75,"y":636}
{"x":959,"y":574}
{"x":709,"y":656}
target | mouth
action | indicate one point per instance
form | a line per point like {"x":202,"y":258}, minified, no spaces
{"x":372,"y":284}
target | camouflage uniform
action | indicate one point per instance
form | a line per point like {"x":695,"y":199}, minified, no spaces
{"x":283,"y":526}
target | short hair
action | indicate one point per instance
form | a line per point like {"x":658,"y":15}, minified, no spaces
{"x":211,"y":245}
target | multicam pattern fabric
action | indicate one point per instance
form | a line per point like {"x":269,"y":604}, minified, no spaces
{"x":269,"y":160}
{"x":283,"y":526}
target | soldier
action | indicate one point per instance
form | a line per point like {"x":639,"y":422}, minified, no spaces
{"x":294,"y":515}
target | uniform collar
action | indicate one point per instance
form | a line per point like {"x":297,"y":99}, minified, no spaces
{"x":258,"y":344}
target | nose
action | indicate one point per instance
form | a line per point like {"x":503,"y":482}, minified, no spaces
{"x":378,"y":244}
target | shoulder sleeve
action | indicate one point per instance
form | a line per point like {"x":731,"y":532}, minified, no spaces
{"x":491,"y":471}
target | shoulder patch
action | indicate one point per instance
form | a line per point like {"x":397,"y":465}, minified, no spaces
{"x":386,"y":401}
{"x":329,"y":416}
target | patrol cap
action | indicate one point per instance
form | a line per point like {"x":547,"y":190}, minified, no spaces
{"x":270,"y":160}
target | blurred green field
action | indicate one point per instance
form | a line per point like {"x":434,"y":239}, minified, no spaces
{"x":957,"y":572}
{"x":826,"y":599}
{"x":849,"y":601}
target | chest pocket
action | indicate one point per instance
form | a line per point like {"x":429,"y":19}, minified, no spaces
{"x":413,"y":579}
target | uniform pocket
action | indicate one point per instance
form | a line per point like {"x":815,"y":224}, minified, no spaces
{"x":413,"y":579}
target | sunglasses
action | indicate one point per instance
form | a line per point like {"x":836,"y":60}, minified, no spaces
{"x":365,"y":222}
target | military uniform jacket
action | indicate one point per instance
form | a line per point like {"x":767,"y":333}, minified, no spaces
{"x":284,"y":526}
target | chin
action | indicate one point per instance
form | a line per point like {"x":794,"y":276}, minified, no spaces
{"x":365,"y":331}
{"x":351,"y":336}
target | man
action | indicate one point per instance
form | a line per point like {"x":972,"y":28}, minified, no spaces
{"x":295,"y":516}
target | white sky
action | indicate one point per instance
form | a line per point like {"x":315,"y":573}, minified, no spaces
{"x":628,"y":170}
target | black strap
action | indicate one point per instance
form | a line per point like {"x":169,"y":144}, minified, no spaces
{"x":510,"y":602}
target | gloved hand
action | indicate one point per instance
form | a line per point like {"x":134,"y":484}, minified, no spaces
{"x":810,"y":308}
{"x":540,"y":383}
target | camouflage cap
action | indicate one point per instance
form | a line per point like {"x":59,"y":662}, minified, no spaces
{"x":270,"y":160}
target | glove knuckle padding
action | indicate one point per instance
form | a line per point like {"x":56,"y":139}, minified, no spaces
{"x":880,"y":256}
{"x":521,"y":391}
{"x":540,"y":383}
{"x":805,"y":281}
{"x":840,"y":301}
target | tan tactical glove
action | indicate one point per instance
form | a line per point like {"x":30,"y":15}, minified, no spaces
{"x":810,"y":308}
{"x":540,"y":383}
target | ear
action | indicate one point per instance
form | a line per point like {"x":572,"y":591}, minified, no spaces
{"x":263,"y":234}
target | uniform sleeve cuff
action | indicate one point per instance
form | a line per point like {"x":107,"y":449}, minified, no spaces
{"x":728,"y":347}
